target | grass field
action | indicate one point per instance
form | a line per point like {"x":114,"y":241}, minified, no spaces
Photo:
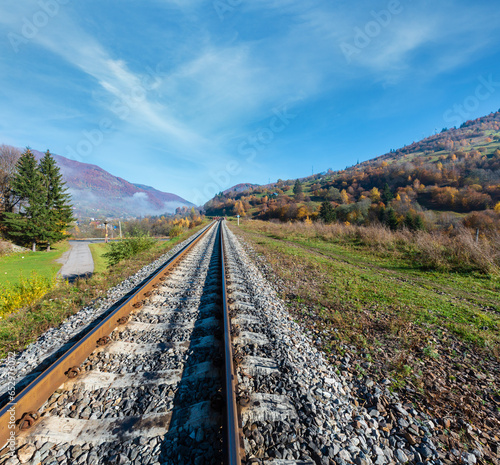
{"x":100,"y":263}
{"x":99,"y":249}
{"x":418,"y":328}
{"x":43,"y":263}
{"x":358,"y":277}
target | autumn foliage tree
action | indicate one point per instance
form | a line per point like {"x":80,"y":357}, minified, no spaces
{"x":8,"y":159}
{"x":422,"y":184}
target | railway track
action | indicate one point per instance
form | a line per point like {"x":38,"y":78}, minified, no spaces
{"x":202,"y":364}
{"x":154,"y":384}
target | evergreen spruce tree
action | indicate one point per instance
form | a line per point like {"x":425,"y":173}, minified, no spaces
{"x":58,"y":209}
{"x":381,"y":214}
{"x":409,"y":221}
{"x":419,"y":223}
{"x":28,"y":225}
{"x":327,"y":212}
{"x":391,"y":218}
{"x":297,"y":188}
{"x":414,"y":222}
{"x":387,"y":194}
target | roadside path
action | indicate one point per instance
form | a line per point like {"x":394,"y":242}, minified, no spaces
{"x":78,"y":261}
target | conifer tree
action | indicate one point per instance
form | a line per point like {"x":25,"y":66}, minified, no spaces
{"x":419,"y":223}
{"x":28,"y":224}
{"x":391,"y":218}
{"x":44,"y":211}
{"x":409,"y":221}
{"x":387,"y":194}
{"x":327,"y":212}
{"x":297,"y":188}
{"x":58,"y":209}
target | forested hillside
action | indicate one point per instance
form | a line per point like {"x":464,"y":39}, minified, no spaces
{"x":444,"y":180}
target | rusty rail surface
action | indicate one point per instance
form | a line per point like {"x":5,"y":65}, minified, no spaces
{"x":21,"y":411}
{"x":234,"y":438}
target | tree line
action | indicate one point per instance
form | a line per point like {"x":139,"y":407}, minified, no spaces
{"x":440,"y":178}
{"x":355,"y":202}
{"x":35,"y":208}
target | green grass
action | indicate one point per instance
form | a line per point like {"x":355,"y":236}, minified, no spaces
{"x":99,"y":249}
{"x":13,"y":266}
{"x":26,"y":277}
{"x":355,"y":276}
{"x":100,"y":263}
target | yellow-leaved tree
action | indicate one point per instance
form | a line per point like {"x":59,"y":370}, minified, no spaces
{"x":302,"y":213}
{"x":375,"y":195}
{"x":344,"y":197}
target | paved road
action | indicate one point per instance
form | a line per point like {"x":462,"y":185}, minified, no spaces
{"x":77,"y":262}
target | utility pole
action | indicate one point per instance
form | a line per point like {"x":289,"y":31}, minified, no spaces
{"x":105,"y":232}
{"x":120,"y":224}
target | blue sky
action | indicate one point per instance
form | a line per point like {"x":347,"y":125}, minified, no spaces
{"x":193,"y":96}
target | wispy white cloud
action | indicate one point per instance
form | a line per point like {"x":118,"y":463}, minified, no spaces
{"x":88,"y":55}
{"x":439,"y":37}
{"x":390,"y":56}
{"x":437,"y":42}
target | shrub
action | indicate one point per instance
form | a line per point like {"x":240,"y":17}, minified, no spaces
{"x":175,"y":231}
{"x":458,"y":253}
{"x":127,"y":248}
{"x":25,"y":292}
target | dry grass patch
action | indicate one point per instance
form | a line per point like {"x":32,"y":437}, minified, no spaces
{"x":455,"y":251}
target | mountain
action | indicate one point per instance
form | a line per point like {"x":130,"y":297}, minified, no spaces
{"x":443,"y":179}
{"x":96,"y":193}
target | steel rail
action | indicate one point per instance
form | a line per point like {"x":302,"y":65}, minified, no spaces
{"x":33,"y":396}
{"x":234,"y":438}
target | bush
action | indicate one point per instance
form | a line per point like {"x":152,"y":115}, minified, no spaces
{"x":457,"y":253}
{"x":175,"y":231}
{"x":127,"y":248}
{"x":24,"y":293}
